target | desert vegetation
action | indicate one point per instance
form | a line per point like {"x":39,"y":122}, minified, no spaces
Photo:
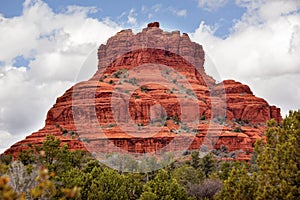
{"x":52,"y":171}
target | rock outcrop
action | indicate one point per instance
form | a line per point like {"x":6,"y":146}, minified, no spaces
{"x":142,"y":99}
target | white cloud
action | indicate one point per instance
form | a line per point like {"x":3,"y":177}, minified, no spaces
{"x":131,"y":18}
{"x":58,"y":44}
{"x":156,"y":7}
{"x":6,"y":139}
{"x":179,"y":13}
{"x":262,"y":50}
{"x":211,"y":5}
{"x":143,"y":8}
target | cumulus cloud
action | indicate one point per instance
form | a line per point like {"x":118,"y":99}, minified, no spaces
{"x":262,"y":50}
{"x":56,"y":45}
{"x":7,"y":138}
{"x":211,"y":5}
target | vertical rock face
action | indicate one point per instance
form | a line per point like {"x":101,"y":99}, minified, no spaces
{"x":151,"y":37}
{"x":243,"y":105}
{"x":153,"y":79}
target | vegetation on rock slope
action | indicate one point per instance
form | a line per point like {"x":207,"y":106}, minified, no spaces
{"x":54,"y":172}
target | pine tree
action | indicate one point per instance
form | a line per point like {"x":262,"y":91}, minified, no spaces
{"x":279,"y":160}
{"x":163,"y":187}
{"x":277,"y":167}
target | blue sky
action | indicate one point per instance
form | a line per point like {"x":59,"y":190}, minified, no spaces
{"x":166,"y":12}
{"x":43,"y":44}
{"x":172,"y":14}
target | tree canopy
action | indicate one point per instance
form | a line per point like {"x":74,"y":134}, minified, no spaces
{"x":52,"y":171}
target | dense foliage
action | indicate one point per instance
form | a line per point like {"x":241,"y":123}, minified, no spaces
{"x":51,"y":171}
{"x":275,"y":169}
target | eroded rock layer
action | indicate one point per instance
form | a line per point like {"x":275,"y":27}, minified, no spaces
{"x":151,"y":81}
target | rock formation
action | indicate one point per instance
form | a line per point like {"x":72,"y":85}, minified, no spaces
{"x":148,"y":83}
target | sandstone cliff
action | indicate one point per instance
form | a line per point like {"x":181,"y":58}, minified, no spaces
{"x":142,"y":99}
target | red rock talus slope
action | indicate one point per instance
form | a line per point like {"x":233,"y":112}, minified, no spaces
{"x":151,"y":81}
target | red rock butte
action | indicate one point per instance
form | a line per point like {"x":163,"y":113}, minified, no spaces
{"x":149,"y":80}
